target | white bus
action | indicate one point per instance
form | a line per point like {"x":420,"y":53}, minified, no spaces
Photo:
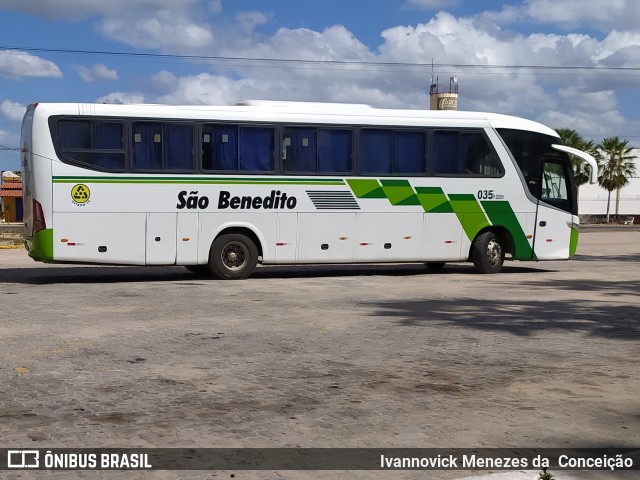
{"x":220,"y":189}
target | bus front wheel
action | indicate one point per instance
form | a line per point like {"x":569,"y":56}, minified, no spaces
{"x":487,"y":253}
{"x":233,"y":256}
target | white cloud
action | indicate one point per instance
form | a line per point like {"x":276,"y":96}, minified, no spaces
{"x":13,"y":111}
{"x":620,"y":49}
{"x":574,"y":98}
{"x":18,"y":64}
{"x":334,"y":43}
{"x":162,"y":30}
{"x":157,"y":24}
{"x":123,"y":97}
{"x":97,"y":71}
{"x":602,"y":14}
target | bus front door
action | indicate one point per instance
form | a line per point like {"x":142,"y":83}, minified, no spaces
{"x":554,"y":219}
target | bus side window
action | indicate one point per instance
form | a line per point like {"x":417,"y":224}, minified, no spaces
{"x":178,"y":147}
{"x":299,"y":150}
{"x":445,"y":153}
{"x":310,"y":150}
{"x":256,"y":149}
{"x":464,"y":153}
{"x":158,"y":146}
{"x":220,"y":147}
{"x":334,"y":151}
{"x":147,"y":152}
{"x":93,"y":143}
{"x":375,"y":151}
{"x":410,"y":152}
{"x":478,"y":157}
{"x":74,"y":134}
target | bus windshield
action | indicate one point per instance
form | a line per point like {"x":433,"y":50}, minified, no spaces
{"x":547,"y":171}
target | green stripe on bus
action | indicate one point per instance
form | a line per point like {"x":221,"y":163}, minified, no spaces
{"x":501,"y":214}
{"x":366,"y":188}
{"x":200,"y":180}
{"x":472,"y":214}
{"x":399,"y":192}
{"x":433,"y":200}
{"x":469,"y":213}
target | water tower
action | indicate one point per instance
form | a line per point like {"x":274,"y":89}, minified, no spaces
{"x":443,"y":98}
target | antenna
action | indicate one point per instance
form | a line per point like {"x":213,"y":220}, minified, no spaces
{"x":439,"y":97}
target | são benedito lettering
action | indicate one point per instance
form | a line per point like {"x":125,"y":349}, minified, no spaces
{"x":275,"y":200}
{"x":193,"y":201}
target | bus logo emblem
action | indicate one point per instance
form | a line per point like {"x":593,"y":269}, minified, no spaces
{"x":80,"y":194}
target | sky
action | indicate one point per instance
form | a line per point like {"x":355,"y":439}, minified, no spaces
{"x":566,"y":63}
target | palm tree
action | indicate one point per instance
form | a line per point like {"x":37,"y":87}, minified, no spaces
{"x":571,"y":138}
{"x":615,"y":167}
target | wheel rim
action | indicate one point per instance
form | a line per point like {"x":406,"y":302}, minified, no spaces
{"x":234,"y":255}
{"x":494,"y":252}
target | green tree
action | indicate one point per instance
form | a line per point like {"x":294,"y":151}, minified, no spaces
{"x":615,"y":167}
{"x":571,"y":138}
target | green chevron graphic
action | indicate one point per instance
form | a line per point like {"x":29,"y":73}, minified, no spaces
{"x":472,"y":214}
{"x":399,"y":192}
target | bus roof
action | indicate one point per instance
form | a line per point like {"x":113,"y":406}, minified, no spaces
{"x":299,"y":112}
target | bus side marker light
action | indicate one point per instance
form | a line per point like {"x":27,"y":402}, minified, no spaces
{"x":448,"y":242}
{"x":343,"y":238}
{"x":408,"y":237}
{"x":185,"y":239}
{"x":549,"y":240}
{"x":529,"y":237}
{"x":280,"y":244}
{"x":64,"y":240}
{"x":364,"y":244}
{"x":71,"y":244}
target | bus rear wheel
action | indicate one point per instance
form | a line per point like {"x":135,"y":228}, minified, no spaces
{"x":233,"y":256}
{"x":487,"y":253}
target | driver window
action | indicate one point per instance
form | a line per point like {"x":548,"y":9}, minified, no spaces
{"x":553,"y":185}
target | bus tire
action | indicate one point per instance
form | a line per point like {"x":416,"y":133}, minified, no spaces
{"x":233,"y":256}
{"x":487,"y":253}
{"x":435,"y":266}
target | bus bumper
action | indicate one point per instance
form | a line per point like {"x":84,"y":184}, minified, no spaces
{"x":40,"y":246}
{"x":573,"y":241}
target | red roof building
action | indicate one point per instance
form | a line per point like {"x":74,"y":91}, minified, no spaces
{"x":11,"y":196}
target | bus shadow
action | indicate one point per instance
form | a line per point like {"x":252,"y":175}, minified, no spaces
{"x":125,"y":274}
{"x":521,"y":318}
{"x":389,"y":270}
{"x":633,"y":258}
{"x":94,"y":275}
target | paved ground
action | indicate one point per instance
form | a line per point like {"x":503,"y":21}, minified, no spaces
{"x":541,"y":355}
